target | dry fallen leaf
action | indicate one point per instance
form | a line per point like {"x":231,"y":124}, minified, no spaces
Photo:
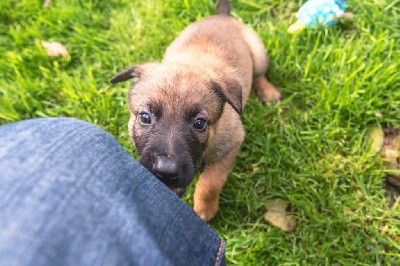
{"x":55,"y":49}
{"x":256,"y":169}
{"x":375,"y":139}
{"x":276,"y":214}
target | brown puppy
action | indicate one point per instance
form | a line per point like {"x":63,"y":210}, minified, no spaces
{"x":185,"y":111}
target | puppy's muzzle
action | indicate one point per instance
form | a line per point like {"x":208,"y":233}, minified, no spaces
{"x":166,"y":168}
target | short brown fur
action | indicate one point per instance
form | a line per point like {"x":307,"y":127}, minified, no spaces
{"x":218,"y":53}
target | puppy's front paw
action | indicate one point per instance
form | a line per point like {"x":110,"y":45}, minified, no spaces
{"x":206,"y":210}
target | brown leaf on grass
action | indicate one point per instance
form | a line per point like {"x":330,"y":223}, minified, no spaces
{"x":276,"y":214}
{"x":55,"y":49}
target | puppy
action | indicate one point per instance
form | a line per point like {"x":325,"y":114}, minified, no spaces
{"x":185,"y":111}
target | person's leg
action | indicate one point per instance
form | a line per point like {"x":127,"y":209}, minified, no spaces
{"x":70,"y":194}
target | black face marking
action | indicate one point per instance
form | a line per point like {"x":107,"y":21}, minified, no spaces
{"x":156,"y":141}
{"x":192,"y":113}
{"x":156,"y":108}
{"x":181,"y":135}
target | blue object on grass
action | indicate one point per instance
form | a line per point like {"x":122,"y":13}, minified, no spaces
{"x":318,"y":12}
{"x":321,"y":12}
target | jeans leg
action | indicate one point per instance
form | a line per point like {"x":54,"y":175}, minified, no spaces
{"x":71,"y":195}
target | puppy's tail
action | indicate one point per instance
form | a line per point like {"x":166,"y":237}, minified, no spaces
{"x":224,"y":8}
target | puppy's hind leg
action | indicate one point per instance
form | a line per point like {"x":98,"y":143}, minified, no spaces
{"x":265,"y":90}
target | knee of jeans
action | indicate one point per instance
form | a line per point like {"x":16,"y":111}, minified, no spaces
{"x":46,"y":136}
{"x":63,"y":124}
{"x":80,"y":128}
{"x":68,"y":123}
{"x":56,"y":128}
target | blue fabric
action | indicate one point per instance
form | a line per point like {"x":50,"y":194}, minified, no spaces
{"x":321,"y":12}
{"x":71,"y":195}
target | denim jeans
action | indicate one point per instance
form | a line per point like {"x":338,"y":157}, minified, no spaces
{"x":71,"y":195}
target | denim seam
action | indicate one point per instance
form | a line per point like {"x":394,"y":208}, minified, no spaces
{"x":221,"y":244}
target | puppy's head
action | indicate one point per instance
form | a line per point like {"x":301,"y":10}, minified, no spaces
{"x":174,"y":110}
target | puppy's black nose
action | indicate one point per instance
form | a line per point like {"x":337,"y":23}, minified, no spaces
{"x":166,"y":167}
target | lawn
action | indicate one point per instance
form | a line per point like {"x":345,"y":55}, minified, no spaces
{"x":309,"y":149}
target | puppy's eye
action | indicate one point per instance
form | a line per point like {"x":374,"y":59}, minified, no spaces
{"x":199,"y":123}
{"x":144,"y":118}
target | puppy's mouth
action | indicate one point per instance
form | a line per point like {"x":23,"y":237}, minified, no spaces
{"x":179,"y":191}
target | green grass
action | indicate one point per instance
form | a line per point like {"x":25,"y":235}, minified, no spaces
{"x":308,"y":149}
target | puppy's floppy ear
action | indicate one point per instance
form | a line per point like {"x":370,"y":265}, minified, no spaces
{"x":132,"y":72}
{"x":229,"y":91}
